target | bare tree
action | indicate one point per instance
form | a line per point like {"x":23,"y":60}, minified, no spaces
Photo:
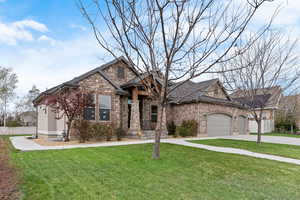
{"x":170,"y":40}
{"x":270,"y":62}
{"x":8,"y":81}
{"x":289,"y":111}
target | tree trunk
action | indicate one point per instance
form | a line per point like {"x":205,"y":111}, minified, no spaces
{"x":258,"y":131}
{"x":156,"y":146}
{"x":67,"y":136}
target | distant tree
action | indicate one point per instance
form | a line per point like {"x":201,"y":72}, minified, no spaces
{"x":26,"y":103}
{"x":271,"y":61}
{"x":69,"y":102}
{"x":8,"y":83}
{"x":175,"y":40}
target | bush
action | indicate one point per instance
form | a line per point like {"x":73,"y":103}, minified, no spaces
{"x":120,"y":133}
{"x":82,"y":130}
{"x":98,"y":131}
{"x":187,"y":128}
{"x":285,"y":126}
{"x":182,"y":131}
{"x":109,"y":132}
{"x":13,"y":123}
{"x":171,"y":128}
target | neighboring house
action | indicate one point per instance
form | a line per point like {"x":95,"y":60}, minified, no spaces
{"x":28,"y":118}
{"x":290,"y":107}
{"x":267,"y":98}
{"x":121,"y":98}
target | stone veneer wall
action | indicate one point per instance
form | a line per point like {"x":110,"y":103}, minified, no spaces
{"x":199,"y":112}
{"x":111,"y":72}
{"x":97,"y":85}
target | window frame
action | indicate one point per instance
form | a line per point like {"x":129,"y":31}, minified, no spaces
{"x":153,"y":114}
{"x":105,"y":108}
{"x":120,"y":72}
{"x":93,"y":106}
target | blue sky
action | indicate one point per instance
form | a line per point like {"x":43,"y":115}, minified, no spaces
{"x":47,"y":42}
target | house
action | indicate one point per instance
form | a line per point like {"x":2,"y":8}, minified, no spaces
{"x":28,"y":118}
{"x":267,"y":98}
{"x":121,"y":98}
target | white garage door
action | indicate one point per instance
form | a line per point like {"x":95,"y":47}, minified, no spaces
{"x":218,"y":125}
{"x":242,"y":125}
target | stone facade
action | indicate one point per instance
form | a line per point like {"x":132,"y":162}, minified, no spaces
{"x":216,"y":91}
{"x":97,"y":85}
{"x":200,"y":111}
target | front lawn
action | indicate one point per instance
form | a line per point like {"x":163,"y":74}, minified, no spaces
{"x":128,"y":172}
{"x":285,"y":150}
{"x":279,"y":134}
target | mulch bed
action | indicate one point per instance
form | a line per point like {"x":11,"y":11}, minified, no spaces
{"x":8,"y":175}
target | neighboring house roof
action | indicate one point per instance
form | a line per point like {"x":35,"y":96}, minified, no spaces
{"x":267,"y":98}
{"x":192,"y":92}
{"x":74,"y":82}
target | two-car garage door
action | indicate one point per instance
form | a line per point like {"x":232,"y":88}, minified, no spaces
{"x":218,"y":125}
{"x":221,"y":125}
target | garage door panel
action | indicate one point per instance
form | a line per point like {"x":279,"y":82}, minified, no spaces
{"x":242,"y":125}
{"x":219,"y":125}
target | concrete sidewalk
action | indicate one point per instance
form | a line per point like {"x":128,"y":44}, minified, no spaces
{"x":24,"y":144}
{"x":236,"y":151}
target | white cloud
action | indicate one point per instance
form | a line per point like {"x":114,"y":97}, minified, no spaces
{"x":30,"y":24}
{"x":48,"y":66}
{"x":12,"y":33}
{"x":76,"y":26}
{"x":47,"y":39}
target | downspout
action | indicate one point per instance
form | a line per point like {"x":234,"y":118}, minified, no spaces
{"x":37,"y":122}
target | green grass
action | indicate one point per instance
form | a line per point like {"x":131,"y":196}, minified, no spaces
{"x":128,"y":172}
{"x":285,"y":150}
{"x":279,"y":134}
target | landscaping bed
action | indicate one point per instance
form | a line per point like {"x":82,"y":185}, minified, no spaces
{"x":128,"y":172}
{"x":53,"y":142}
{"x":291,"y":151}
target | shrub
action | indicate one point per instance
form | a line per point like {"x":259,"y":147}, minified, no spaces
{"x":13,"y":123}
{"x":192,"y":126}
{"x":171,"y":128}
{"x":109,"y":132}
{"x":285,"y":125}
{"x":98,"y":131}
{"x":82,"y":130}
{"x":120,"y":133}
{"x":187,"y":128}
{"x":182,"y":131}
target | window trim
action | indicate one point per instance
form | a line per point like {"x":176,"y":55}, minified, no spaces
{"x":153,"y":114}
{"x":99,"y":108}
{"x":122,"y":73}
{"x":94,"y":106}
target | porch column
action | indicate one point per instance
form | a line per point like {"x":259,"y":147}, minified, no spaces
{"x":135,"y":125}
{"x":164,"y":119}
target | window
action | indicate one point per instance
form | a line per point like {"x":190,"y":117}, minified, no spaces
{"x":104,"y":107}
{"x":153,"y":113}
{"x":89,"y":112}
{"x":120,"y":72}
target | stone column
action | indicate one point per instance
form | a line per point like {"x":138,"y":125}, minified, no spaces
{"x":164,"y":120}
{"x":135,"y":126}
